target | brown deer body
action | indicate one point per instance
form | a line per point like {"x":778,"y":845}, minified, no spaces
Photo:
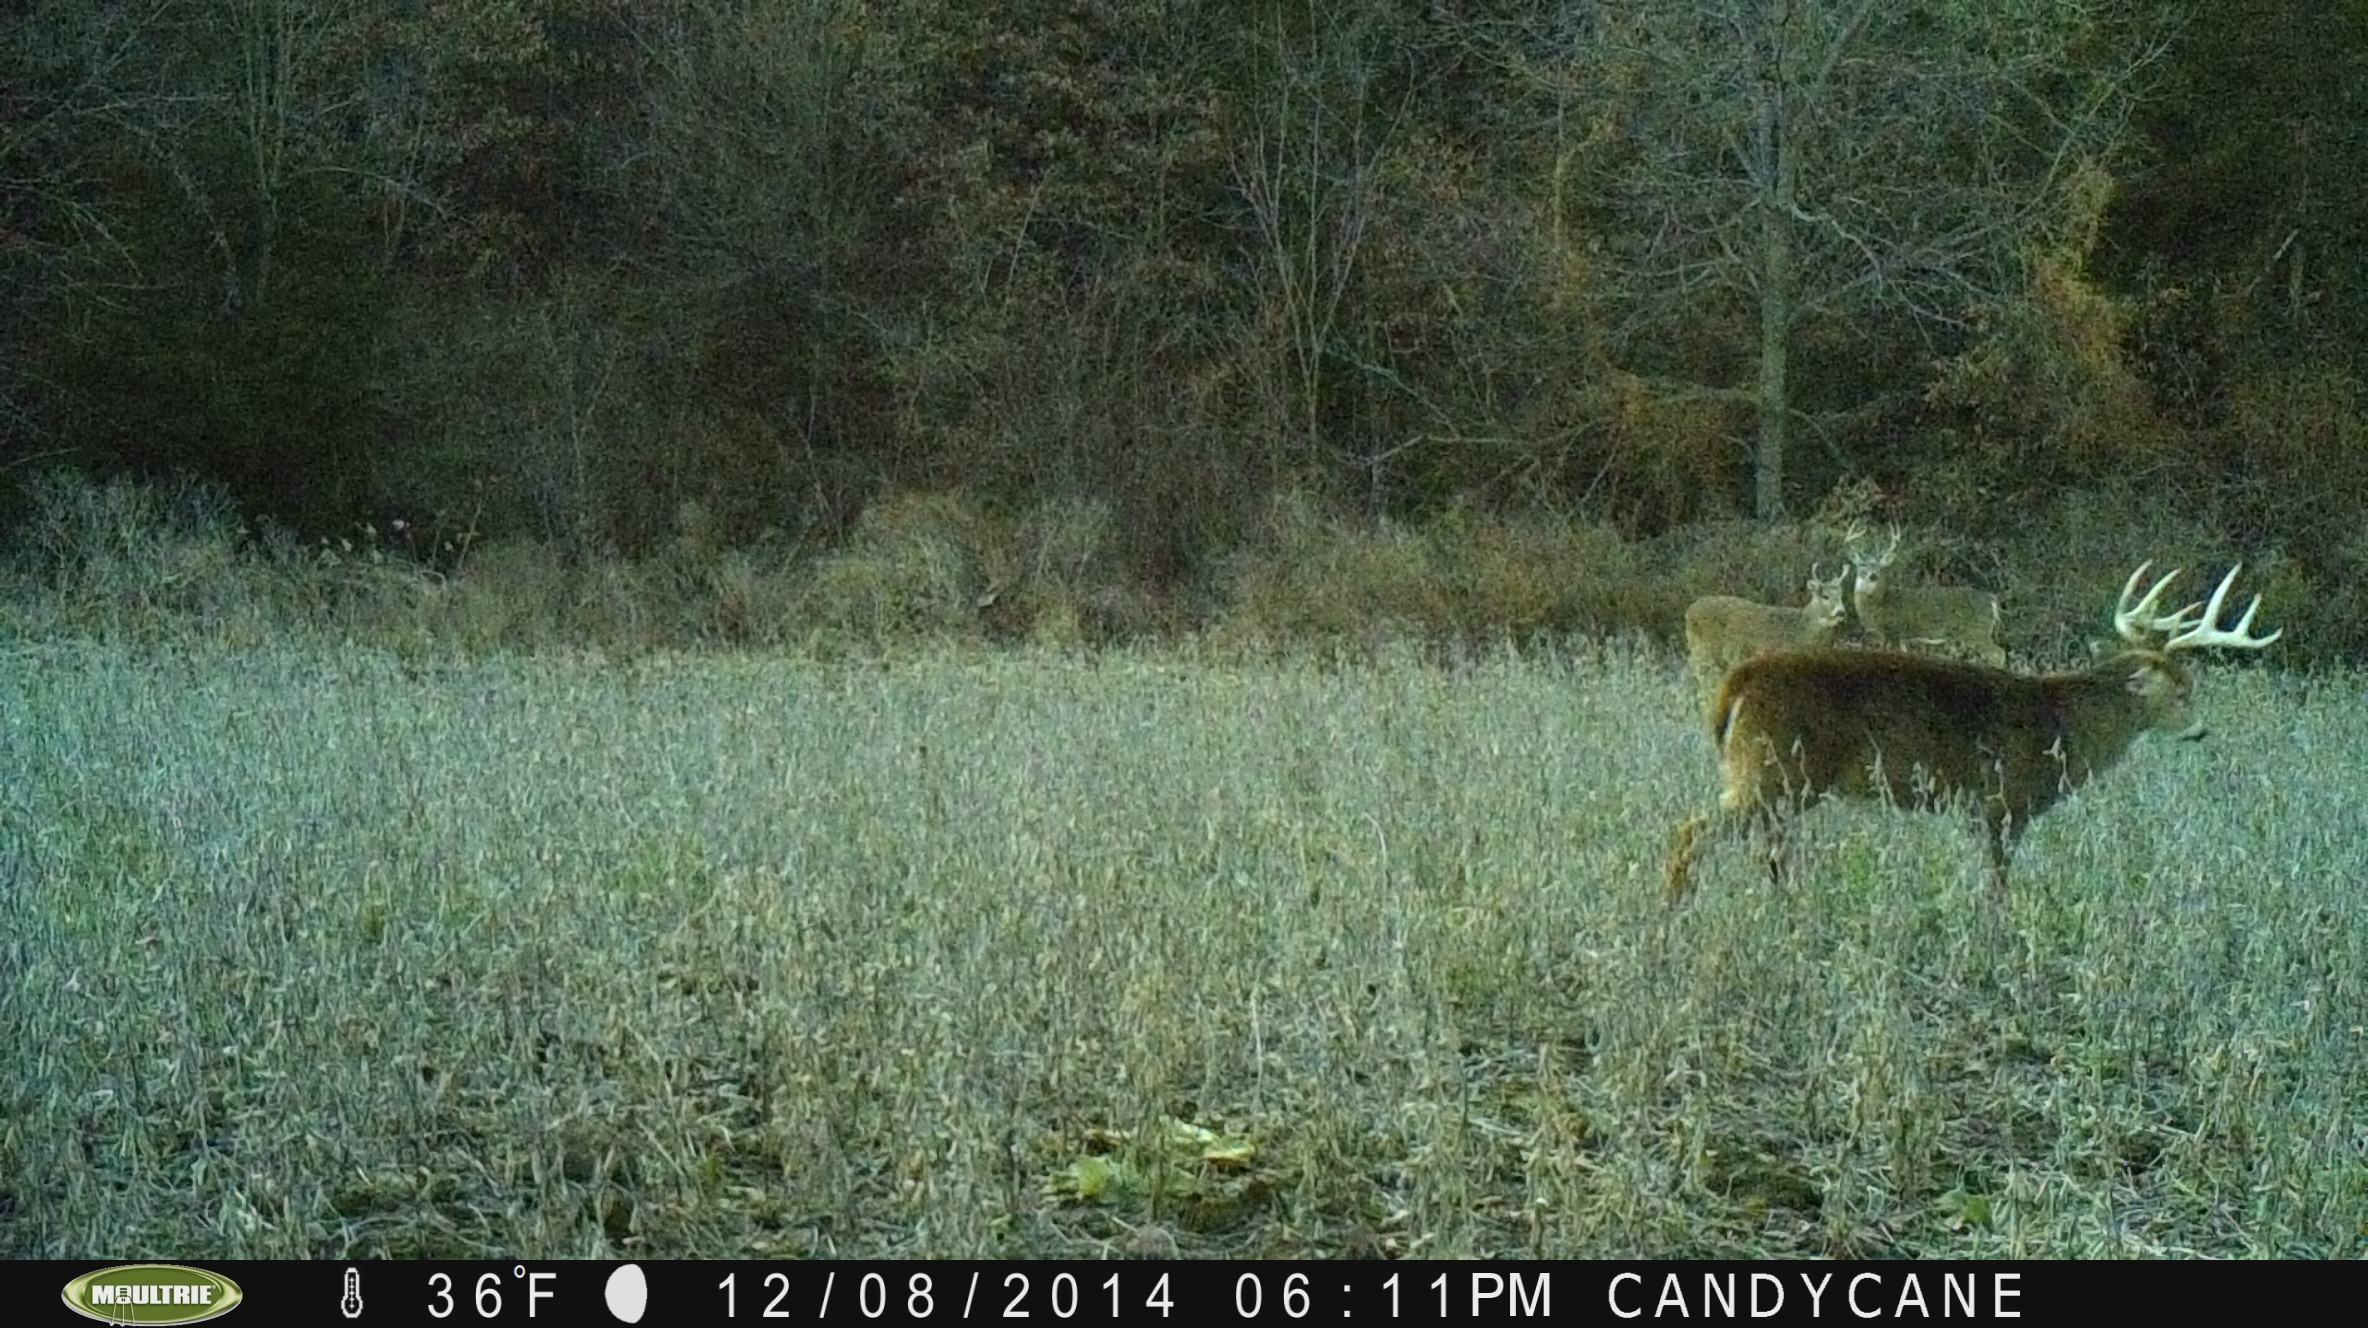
{"x":1927,"y":733}
{"x":1949,"y":618}
{"x":1723,"y":631}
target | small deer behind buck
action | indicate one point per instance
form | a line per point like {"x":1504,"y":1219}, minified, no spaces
{"x":1723,"y":631}
{"x":1948,"y":618}
{"x":1927,"y":733}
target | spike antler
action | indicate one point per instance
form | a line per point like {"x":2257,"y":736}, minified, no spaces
{"x":2190,"y":628}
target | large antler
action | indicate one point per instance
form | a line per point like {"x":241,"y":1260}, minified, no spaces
{"x":2192,"y":627}
{"x":2137,"y":622}
{"x":2239,"y":637}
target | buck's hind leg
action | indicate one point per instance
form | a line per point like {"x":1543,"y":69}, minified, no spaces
{"x":1696,"y":836}
{"x":1999,"y":832}
{"x":1692,"y":840}
{"x":1768,"y":825}
{"x":1685,"y":847}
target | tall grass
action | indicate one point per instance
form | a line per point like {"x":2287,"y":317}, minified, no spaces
{"x":326,"y":953}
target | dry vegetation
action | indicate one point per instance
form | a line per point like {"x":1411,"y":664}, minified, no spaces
{"x":329,"y":953}
{"x":351,"y":912}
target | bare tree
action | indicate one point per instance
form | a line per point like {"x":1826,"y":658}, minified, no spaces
{"x":1311,"y":173}
{"x":1766,"y":171}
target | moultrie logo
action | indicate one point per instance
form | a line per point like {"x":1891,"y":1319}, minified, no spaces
{"x":152,"y":1293}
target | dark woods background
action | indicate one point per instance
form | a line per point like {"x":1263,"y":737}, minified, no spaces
{"x":696,"y":319}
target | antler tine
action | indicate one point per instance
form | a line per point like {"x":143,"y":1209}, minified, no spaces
{"x":2136,"y":621}
{"x":2203,"y":632}
{"x":1864,"y":556}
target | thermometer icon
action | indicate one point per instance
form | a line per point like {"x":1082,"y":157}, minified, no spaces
{"x":352,"y":1301}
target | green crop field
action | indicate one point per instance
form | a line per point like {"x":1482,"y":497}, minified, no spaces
{"x":316,"y":953}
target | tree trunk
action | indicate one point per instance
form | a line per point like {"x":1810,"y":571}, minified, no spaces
{"x":1776,"y":293}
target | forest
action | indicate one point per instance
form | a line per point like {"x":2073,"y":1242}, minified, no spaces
{"x":1110,"y":317}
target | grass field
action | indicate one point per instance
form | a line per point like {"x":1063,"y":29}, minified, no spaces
{"x":320,"y":954}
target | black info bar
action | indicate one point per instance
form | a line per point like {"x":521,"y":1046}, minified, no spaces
{"x":563,"y":1293}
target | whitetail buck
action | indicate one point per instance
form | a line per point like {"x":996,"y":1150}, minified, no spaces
{"x":1723,"y":631}
{"x":1948,"y":618}
{"x":1927,"y":733}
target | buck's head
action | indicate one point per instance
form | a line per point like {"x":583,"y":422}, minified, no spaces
{"x":1866,"y":560}
{"x":2165,"y":692}
{"x":2154,"y":675}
